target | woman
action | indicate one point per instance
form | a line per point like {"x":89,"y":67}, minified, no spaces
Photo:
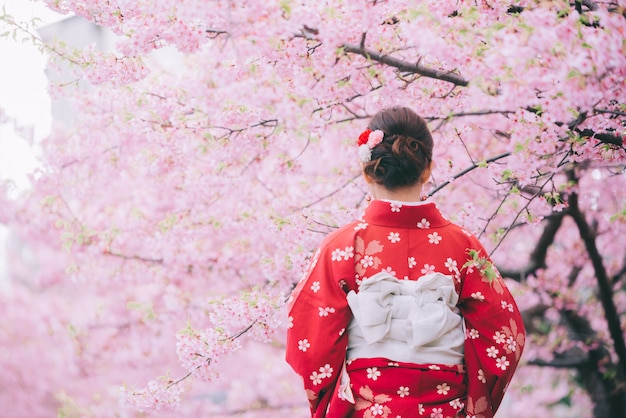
{"x":401,"y":313}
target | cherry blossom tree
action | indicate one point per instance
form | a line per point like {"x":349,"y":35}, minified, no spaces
{"x":170,"y":221}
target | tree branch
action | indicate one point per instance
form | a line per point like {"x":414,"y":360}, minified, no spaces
{"x":604,"y":283}
{"x":609,"y":111}
{"x":316,"y":201}
{"x":467,"y":170}
{"x":618,"y":276}
{"x":575,"y":359}
{"x":606,"y":390}
{"x":538,"y":257}
{"x":475,"y":113}
{"x":401,"y":65}
{"x":134,"y":257}
{"x":591,"y":5}
{"x":604,"y":138}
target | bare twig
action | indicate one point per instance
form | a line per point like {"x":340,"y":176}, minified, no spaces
{"x":525,"y":208}
{"x":609,"y":111}
{"x":538,"y":257}
{"x":134,"y":257}
{"x":591,"y":5}
{"x":575,"y":360}
{"x":467,"y":170}
{"x":343,"y":186}
{"x":405,"y":66}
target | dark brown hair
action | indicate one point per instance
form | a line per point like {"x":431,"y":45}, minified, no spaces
{"x":405,"y":151}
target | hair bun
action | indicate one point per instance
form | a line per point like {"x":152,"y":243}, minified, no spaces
{"x":405,"y":145}
{"x":405,"y":153}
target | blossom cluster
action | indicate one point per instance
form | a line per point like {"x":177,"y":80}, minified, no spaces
{"x":160,"y":395}
{"x":199,"y":351}
{"x":255,"y":313}
{"x":101,"y":67}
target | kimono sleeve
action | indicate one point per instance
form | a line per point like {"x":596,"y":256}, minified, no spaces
{"x":495,"y":333}
{"x":316,"y":339}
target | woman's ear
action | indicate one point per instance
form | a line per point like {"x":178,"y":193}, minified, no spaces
{"x":426,"y":174}
{"x":367,"y":178}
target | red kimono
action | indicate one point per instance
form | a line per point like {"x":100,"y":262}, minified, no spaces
{"x":408,"y":242}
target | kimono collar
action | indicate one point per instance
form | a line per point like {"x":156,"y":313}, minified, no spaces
{"x":404,"y":215}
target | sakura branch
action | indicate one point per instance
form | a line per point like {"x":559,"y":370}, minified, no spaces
{"x":609,"y":111}
{"x":401,"y":65}
{"x":538,"y":256}
{"x":343,"y":186}
{"x":599,"y":386}
{"x":481,"y":164}
{"x":612,"y":140}
{"x":604,"y":284}
{"x":445,"y":119}
{"x":602,"y":388}
{"x":524,"y":209}
{"x":252,"y":314}
{"x":26,"y":32}
{"x":344,"y":104}
{"x":135,"y":257}
{"x":214,"y":33}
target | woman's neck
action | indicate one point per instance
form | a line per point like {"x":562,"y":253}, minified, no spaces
{"x":404,"y":194}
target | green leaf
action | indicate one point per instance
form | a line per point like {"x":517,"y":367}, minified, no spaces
{"x":133,"y":305}
{"x":144,"y":308}
{"x":489,"y":272}
{"x":285,"y":6}
{"x":584,"y":19}
{"x":167,"y":223}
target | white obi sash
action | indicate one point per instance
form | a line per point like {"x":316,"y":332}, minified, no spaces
{"x":405,"y":320}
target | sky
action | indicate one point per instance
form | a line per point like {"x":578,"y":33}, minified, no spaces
{"x":23,"y":91}
{"x":24,"y":98}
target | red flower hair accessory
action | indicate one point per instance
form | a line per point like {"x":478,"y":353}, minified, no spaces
{"x":364,"y":136}
{"x":368,"y":140}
